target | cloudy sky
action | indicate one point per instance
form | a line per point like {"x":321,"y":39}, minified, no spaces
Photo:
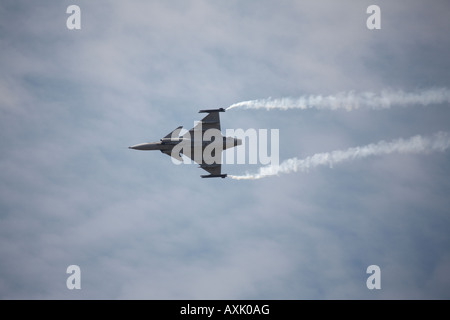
{"x":140,"y":227}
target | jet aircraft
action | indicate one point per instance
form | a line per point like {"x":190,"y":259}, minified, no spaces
{"x":204,"y":144}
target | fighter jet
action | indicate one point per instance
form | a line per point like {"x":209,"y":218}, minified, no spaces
{"x":204,"y":144}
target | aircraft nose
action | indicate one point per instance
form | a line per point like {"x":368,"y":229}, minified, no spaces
{"x":142,"y":146}
{"x":145,"y":146}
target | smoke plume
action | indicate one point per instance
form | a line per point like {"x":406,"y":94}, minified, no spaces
{"x":417,"y":144}
{"x":351,"y":100}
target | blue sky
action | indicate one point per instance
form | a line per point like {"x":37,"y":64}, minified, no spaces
{"x":72,"y":101}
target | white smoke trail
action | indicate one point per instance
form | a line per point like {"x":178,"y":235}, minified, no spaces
{"x":417,"y":144}
{"x":351,"y":100}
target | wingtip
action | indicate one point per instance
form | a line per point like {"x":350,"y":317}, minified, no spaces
{"x":212,"y":110}
{"x":215,"y":176}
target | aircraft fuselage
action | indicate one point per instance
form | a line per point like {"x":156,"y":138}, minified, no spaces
{"x":167,"y":144}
